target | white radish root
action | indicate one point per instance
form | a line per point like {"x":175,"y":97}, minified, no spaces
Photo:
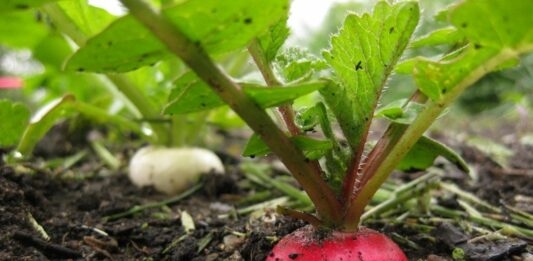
{"x":172,"y":170}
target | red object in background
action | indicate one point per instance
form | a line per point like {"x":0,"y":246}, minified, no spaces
{"x":10,"y":82}
{"x":306,"y":245}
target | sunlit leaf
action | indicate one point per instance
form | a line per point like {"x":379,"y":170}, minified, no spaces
{"x":219,"y":26}
{"x":22,"y":29}
{"x":89,"y":19}
{"x":296,"y":64}
{"x":123,"y":46}
{"x":14,"y":5}
{"x":497,"y":29}
{"x":448,"y":35}
{"x":363,"y":55}
{"x":274,"y":38}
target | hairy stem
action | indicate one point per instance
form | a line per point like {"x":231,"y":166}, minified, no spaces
{"x":413,"y":133}
{"x":199,"y":61}
{"x":286,"y":111}
{"x":385,"y":144}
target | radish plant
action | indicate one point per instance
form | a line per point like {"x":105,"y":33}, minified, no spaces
{"x":53,"y":30}
{"x":339,"y":174}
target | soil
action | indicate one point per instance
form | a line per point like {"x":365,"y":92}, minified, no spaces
{"x":72,"y":206}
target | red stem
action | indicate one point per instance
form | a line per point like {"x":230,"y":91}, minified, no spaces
{"x":286,"y":111}
{"x":384,"y":145}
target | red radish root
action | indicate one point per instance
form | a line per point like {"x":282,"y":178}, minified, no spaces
{"x":364,"y":245}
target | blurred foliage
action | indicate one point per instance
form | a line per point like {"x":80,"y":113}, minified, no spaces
{"x":500,"y":90}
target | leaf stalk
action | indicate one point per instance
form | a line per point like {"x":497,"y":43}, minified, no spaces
{"x":199,"y":61}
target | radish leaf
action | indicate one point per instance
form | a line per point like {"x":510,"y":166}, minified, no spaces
{"x":295,"y":64}
{"x":123,"y":46}
{"x":494,"y":29}
{"x":272,"y":41}
{"x":21,"y":29}
{"x":267,"y":97}
{"x":363,"y":55}
{"x":13,"y":5}
{"x":89,"y":19}
{"x":424,"y":153}
{"x":192,"y":95}
{"x":219,"y":26}
{"x":398,"y":113}
{"x":448,"y":35}
{"x":312,"y":148}
{"x":41,"y":122}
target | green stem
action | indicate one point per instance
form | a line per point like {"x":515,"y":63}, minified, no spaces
{"x":252,"y":169}
{"x":286,"y":111}
{"x":121,"y":82}
{"x":413,"y":133}
{"x":199,"y":61}
{"x":477,"y":201}
{"x":458,"y":215}
{"x":411,"y":190}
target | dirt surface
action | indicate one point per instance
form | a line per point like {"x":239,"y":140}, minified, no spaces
{"x":72,"y":206}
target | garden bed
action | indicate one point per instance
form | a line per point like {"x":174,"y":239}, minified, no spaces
{"x":74,"y":207}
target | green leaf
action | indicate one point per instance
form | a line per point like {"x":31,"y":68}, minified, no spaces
{"x":497,"y":28}
{"x":89,"y":19}
{"x":338,"y":157}
{"x":296,"y":64}
{"x":53,"y":50}
{"x":363,"y":55}
{"x":392,"y":110}
{"x":312,"y":148}
{"x":63,"y":107}
{"x":220,"y":26}
{"x":448,"y":35}
{"x":15,"y":117}
{"x":397,"y":112}
{"x":13,"y":5}
{"x":424,"y":153}
{"x":267,"y":97}
{"x":192,"y":95}
{"x":123,"y":46}
{"x":21,"y":29}
{"x":223,"y":26}
{"x":497,"y":24}
{"x":41,"y":122}
{"x":225,"y":118}
{"x":272,"y":41}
